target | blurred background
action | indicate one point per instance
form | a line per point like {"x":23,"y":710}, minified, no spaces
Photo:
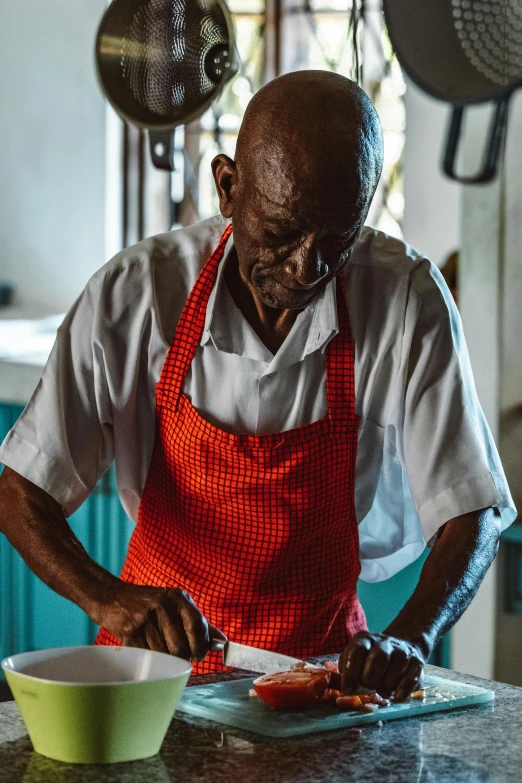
{"x":77,"y":185}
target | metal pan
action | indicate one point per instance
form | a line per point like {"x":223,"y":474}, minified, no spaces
{"x":161,"y":63}
{"x":463,"y":52}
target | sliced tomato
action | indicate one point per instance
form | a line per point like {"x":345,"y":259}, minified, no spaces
{"x":293,"y":690}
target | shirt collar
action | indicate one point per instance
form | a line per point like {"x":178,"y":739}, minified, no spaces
{"x":312,"y":331}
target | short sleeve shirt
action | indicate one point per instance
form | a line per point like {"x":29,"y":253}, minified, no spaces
{"x":425,"y":452}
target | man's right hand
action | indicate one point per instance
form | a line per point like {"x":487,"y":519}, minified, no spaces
{"x":164,"y":619}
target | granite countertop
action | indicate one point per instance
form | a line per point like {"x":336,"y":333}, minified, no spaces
{"x":471,"y":745}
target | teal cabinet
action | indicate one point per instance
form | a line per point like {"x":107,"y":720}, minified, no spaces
{"x":34,"y":617}
{"x":383,"y":601}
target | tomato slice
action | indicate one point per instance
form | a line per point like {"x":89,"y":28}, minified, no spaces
{"x":293,"y":690}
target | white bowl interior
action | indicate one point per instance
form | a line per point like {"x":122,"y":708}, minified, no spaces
{"x":97,"y":664}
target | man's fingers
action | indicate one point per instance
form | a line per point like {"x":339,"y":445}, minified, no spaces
{"x":215,"y":633}
{"x":163,"y":619}
{"x":353,"y":661}
{"x":147,"y":636}
{"x":409,"y":680}
{"x":399,"y":663}
{"x":153,"y":635}
{"x":196,"y":628}
{"x":135,"y":640}
{"x":175,"y":638}
{"x":388,"y":665}
{"x":375,"y":666}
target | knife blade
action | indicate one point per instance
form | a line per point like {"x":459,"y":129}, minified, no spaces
{"x":254,"y":659}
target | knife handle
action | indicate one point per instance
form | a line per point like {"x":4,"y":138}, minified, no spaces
{"x":217,"y":645}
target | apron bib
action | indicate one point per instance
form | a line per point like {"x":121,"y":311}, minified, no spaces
{"x":261,"y":531}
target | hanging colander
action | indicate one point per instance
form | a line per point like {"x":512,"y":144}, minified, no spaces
{"x":161,"y":63}
{"x":463,"y":52}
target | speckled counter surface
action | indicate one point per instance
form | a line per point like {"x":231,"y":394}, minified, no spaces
{"x":472,"y":745}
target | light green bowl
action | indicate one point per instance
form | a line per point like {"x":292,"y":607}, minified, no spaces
{"x":90,"y":705}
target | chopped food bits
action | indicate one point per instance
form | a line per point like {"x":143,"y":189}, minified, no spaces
{"x":349,"y":703}
{"x":361,"y":701}
{"x":374,"y":698}
{"x":418,"y":694}
{"x":305,"y":685}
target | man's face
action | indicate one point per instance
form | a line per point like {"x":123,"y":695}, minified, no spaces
{"x":294,"y":227}
{"x":287,"y":255}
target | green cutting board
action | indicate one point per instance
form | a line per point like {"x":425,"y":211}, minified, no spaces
{"x":229,"y":703}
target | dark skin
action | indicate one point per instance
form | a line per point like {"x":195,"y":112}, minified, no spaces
{"x":167,"y":620}
{"x":297,"y":205}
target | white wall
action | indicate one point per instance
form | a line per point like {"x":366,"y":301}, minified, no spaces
{"x":53,"y":205}
{"x":52,"y":150}
{"x":484,"y":222}
{"x":431,"y":201}
{"x":486,"y":641}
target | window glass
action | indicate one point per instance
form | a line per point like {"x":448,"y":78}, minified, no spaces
{"x":315,"y":34}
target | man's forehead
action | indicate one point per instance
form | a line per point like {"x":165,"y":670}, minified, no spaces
{"x":338,"y":218}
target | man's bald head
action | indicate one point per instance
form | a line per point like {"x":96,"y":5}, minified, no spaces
{"x":308,"y":159}
{"x":318,"y":126}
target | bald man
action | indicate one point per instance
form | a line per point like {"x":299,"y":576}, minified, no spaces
{"x":287,"y":397}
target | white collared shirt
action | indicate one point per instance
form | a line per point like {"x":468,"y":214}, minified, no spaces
{"x":425,"y":453}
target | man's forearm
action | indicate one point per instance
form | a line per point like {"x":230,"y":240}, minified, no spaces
{"x":35,"y":525}
{"x":450,"y":577}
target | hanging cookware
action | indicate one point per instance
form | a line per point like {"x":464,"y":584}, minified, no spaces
{"x":463,"y":52}
{"x":161,"y":63}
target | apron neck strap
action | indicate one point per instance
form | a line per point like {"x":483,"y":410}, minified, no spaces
{"x":190,"y":328}
{"x":340,"y":358}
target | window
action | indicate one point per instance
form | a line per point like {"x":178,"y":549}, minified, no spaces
{"x":273,"y":36}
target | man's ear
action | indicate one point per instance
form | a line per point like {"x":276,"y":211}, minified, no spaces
{"x":225,"y":177}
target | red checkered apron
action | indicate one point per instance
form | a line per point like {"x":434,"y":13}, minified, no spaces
{"x":260,"y":530}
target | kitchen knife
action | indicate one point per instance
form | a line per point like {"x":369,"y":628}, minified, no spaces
{"x":253,"y":658}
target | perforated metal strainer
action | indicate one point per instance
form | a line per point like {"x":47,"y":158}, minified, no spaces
{"x":161,"y":63}
{"x":463,"y":52}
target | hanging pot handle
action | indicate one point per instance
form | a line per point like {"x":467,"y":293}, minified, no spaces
{"x":161,"y":145}
{"x":494,"y":143}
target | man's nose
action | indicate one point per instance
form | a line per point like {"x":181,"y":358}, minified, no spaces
{"x":306,"y":267}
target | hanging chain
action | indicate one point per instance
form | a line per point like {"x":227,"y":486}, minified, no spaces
{"x":354,"y":35}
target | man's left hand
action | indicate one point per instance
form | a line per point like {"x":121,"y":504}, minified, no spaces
{"x":392,"y":667}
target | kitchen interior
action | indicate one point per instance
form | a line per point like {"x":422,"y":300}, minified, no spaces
{"x":77,"y":184}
